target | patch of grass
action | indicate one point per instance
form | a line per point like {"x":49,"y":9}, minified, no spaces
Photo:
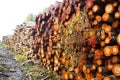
{"x":2,"y":45}
{"x":35,"y":72}
{"x":1,"y":68}
{"x":20,"y":57}
{"x":32,"y":70}
{"x":6,"y":46}
{"x":4,"y":67}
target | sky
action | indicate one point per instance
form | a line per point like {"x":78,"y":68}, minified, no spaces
{"x":14,"y":12}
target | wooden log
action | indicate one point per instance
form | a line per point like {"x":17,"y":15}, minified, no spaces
{"x":109,"y":8}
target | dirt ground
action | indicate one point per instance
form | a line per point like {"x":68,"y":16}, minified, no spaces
{"x":10,"y":69}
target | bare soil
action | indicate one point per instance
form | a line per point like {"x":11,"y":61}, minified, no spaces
{"x":10,"y":68}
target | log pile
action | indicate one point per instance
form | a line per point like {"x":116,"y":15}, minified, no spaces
{"x":76,"y":39}
{"x":66,"y":43}
{"x":21,"y":39}
{"x":104,"y":17}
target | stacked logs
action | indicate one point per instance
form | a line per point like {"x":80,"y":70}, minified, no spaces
{"x":76,"y":39}
{"x":21,"y":40}
{"x":65,"y":42}
{"x":104,"y":16}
